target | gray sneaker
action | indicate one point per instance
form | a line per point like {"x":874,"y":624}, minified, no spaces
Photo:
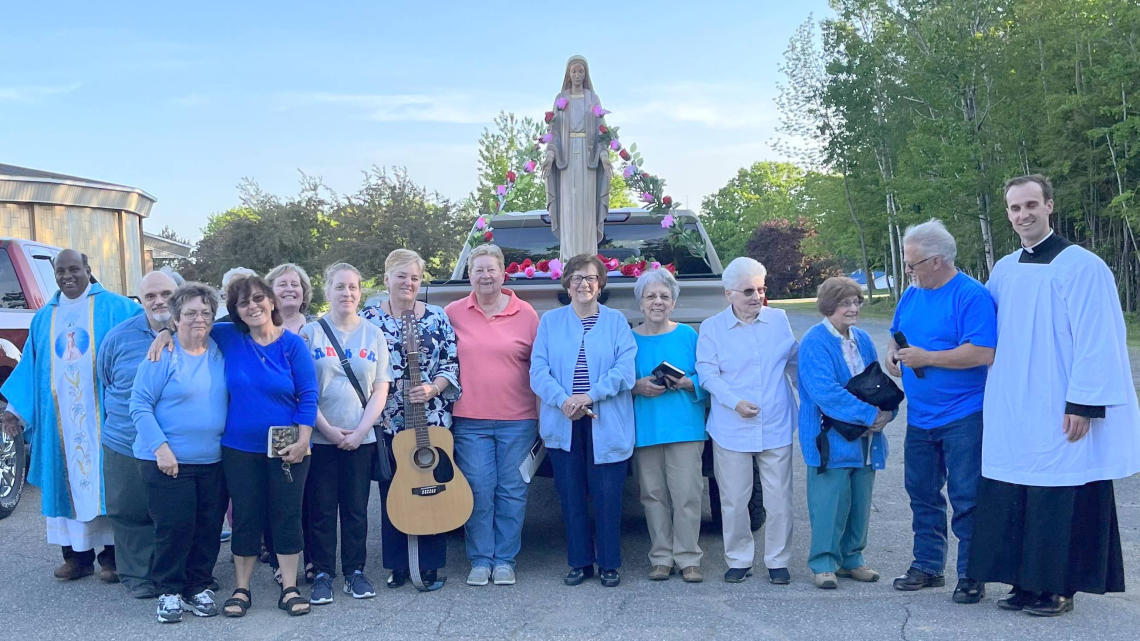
{"x":169,"y":608}
{"x":479,"y":575}
{"x":504,"y":575}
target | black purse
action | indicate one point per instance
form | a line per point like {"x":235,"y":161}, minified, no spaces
{"x":382,"y":464}
{"x":872,"y":386}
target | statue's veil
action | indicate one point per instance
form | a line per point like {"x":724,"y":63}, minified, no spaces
{"x":586,"y":84}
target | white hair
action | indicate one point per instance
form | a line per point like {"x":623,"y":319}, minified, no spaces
{"x":173,"y":275}
{"x":236,"y":271}
{"x":741,"y":270}
{"x":932,"y":239}
{"x":659,"y":276}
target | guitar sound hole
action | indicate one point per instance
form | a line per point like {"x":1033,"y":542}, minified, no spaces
{"x":424,"y":457}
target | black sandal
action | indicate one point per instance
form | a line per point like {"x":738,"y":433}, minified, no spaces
{"x":310,"y":573}
{"x":234,"y":602}
{"x":287,"y":604}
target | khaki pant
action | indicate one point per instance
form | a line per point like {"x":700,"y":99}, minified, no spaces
{"x":671,"y":488}
{"x":734,"y":476}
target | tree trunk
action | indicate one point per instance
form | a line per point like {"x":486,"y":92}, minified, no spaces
{"x":867,"y":273}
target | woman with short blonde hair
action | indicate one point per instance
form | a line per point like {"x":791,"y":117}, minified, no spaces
{"x":294,"y":293}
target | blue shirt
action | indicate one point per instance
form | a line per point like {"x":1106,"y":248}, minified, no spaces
{"x":119,"y":356}
{"x":961,"y":311}
{"x":181,"y":400}
{"x":269,"y":385}
{"x":676,"y":415}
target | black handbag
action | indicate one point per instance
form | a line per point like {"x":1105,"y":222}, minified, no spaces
{"x":382,"y":464}
{"x":872,"y":386}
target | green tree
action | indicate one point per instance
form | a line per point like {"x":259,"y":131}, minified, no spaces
{"x":764,"y":191}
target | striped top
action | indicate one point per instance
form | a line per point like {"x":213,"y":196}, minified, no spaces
{"x":581,"y":371}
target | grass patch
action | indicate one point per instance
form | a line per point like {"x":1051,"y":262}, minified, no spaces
{"x":883,"y":307}
{"x":1132,"y":326}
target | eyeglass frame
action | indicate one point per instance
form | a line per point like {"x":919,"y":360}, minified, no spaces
{"x":910,"y":267}
{"x":755,"y":290}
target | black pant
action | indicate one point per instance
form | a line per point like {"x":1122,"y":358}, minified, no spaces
{"x":87,"y":557}
{"x":261,"y":492}
{"x":339,"y":479}
{"x":188,"y":511}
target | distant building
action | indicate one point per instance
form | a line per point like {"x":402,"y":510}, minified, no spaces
{"x":159,"y":251}
{"x":882,"y":281}
{"x":100,"y":219}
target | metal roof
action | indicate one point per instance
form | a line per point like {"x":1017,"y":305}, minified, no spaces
{"x":22,"y":184}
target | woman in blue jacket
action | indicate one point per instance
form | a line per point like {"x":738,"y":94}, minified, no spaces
{"x":839,"y":489}
{"x":582,"y":369}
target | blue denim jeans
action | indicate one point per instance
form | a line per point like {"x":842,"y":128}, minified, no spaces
{"x":489,"y":454}
{"x":949,"y":456}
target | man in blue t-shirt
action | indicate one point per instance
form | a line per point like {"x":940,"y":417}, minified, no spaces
{"x":949,"y":322}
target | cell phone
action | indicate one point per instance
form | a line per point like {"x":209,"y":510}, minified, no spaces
{"x":900,"y":340}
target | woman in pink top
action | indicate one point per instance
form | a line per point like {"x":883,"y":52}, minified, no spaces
{"x":496,"y":419}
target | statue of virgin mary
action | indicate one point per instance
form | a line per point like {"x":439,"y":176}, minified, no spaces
{"x":576,"y":169}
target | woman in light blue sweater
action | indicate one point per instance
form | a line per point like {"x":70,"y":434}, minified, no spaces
{"x":839,"y":489}
{"x":179,"y":406}
{"x":582,"y":369}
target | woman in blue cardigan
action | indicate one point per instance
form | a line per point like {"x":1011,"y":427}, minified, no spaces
{"x":582,"y":369}
{"x":839,"y":489}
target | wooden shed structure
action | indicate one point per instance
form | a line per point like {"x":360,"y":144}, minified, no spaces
{"x":100,"y":219}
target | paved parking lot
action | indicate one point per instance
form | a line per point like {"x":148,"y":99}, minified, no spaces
{"x":33,"y":605}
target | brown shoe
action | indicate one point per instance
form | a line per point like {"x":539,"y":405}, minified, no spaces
{"x":861,"y":573}
{"x":660,"y":572}
{"x":692,"y":574}
{"x":108,"y":575}
{"x":72,"y":570}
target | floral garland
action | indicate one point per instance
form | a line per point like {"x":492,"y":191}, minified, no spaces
{"x":633,"y":266}
{"x":650,"y":187}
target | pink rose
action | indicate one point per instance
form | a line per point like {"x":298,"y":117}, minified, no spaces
{"x":655,"y":265}
{"x":555,"y":264}
{"x":546,"y":138}
{"x":636,"y":272}
{"x":529,"y":271}
{"x":481,"y":222}
{"x":599,"y":112}
{"x":647,"y":197}
{"x":556,"y":274}
{"x":629,"y":171}
{"x":561,"y":103}
{"x":667,"y":221}
{"x":502,"y":190}
{"x":529,"y":166}
{"x":615,"y":145}
{"x":612,"y":264}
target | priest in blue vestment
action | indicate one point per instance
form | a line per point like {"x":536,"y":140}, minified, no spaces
{"x":55,"y":397}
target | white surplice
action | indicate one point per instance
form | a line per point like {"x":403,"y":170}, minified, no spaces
{"x":73,"y":383}
{"x":1061,"y":339}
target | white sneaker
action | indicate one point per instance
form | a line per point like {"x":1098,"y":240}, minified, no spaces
{"x":202,"y":605}
{"x":479,"y":575}
{"x":504,"y":575}
{"x":169,"y":608}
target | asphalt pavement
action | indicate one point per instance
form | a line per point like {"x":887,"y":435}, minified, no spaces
{"x":34,"y":605}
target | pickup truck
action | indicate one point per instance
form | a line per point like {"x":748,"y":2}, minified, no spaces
{"x":27,"y":282}
{"x":628,"y":233}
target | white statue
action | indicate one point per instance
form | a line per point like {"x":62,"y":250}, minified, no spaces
{"x":576,"y":168}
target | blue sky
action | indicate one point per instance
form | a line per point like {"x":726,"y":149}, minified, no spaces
{"x":184,"y":100}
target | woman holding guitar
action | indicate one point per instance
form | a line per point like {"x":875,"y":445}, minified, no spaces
{"x":582,"y":369}
{"x":414,"y":404}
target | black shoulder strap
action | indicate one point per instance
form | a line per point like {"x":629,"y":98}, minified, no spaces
{"x":344,"y":361}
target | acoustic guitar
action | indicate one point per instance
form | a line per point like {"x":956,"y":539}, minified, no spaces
{"x":429,"y":495}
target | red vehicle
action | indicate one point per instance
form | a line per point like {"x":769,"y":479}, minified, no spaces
{"x":27,"y":282}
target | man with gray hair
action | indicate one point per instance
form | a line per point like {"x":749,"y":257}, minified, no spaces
{"x":122,"y":350}
{"x":943,"y":338}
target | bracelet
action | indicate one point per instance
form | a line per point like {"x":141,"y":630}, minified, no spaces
{"x":436,"y":388}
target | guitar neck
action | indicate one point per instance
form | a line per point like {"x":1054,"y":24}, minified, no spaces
{"x":415,"y":414}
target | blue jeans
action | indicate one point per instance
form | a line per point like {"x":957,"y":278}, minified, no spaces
{"x":489,"y":454}
{"x":949,"y":456}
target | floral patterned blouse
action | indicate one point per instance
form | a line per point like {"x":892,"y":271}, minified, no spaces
{"x":438,"y":358}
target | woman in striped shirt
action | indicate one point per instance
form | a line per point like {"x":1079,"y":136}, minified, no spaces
{"x":582,"y":369}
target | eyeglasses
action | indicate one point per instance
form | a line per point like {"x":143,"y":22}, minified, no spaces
{"x":194,"y":315}
{"x":256,"y":299}
{"x":751,"y":291}
{"x":577,"y":280}
{"x":910,"y":266}
{"x":856,"y":303}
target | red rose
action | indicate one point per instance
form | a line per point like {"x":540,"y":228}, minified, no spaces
{"x":602,"y":258}
{"x":602,"y":129}
{"x":526,"y":263}
{"x":513,"y":268}
{"x":668,"y":200}
{"x":543,"y":265}
{"x":627,"y":270}
{"x":640,"y":265}
{"x":549,"y":116}
{"x":511,"y":176}
{"x":671,"y":268}
{"x":645,"y":175}
{"x":624,"y":154}
{"x":488,"y":236}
